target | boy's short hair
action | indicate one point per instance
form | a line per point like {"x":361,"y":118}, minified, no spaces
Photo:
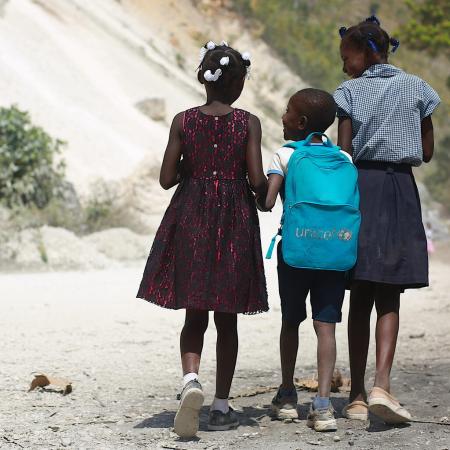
{"x":317,"y":105}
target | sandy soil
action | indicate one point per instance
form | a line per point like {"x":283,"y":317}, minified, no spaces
{"x":122,"y":356}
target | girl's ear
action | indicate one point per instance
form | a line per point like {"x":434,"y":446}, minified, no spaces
{"x":302,"y":122}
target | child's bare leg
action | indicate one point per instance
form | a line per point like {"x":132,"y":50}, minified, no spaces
{"x":361,"y":304}
{"x":326,"y":355}
{"x":288,"y":353}
{"x":226,"y":352}
{"x":191,"y":340}
{"x":387,"y":304}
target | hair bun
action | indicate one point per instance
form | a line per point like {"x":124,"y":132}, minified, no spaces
{"x":373,"y":19}
{"x":395,"y":44}
{"x":342,"y":31}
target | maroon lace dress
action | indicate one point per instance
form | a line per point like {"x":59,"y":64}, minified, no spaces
{"x":207,"y":251}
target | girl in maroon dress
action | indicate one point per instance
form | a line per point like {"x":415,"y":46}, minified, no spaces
{"x":206,"y":255}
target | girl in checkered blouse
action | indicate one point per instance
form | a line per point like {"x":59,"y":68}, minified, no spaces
{"x":385,"y":124}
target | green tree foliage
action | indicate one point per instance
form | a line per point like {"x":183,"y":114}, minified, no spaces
{"x":438,"y":182}
{"x":28,"y":173}
{"x":302,"y":34}
{"x":429,"y":26}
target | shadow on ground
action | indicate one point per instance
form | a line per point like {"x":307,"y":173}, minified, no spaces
{"x":248,"y":417}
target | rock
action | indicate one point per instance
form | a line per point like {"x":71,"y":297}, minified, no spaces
{"x":49,"y":248}
{"x":141,"y":199}
{"x":21,"y":249}
{"x":63,"y":249}
{"x":416,"y":336}
{"x":154,"y":108}
{"x":66,"y":442}
{"x":351,"y":443}
{"x":120,"y":244}
{"x":336,"y":438}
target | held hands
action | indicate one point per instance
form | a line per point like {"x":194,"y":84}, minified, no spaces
{"x":260,"y":203}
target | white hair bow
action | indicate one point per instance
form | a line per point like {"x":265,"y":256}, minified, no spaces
{"x":209,"y":76}
{"x":211,"y":45}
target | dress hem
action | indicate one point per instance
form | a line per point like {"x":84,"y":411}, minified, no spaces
{"x":247,"y":313}
{"x":401,"y":284}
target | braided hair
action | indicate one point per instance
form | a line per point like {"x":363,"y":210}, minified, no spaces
{"x":369,"y":35}
{"x":222,"y":65}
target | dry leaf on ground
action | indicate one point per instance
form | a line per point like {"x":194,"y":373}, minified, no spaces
{"x":338,"y":383}
{"x":42,"y":380}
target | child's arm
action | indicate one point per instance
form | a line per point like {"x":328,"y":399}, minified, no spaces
{"x":275,"y":182}
{"x":427,"y":138}
{"x":345,"y":134}
{"x":257,"y":179}
{"x":169,"y":176}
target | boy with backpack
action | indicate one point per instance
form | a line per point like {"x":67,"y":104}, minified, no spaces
{"x":318,"y":185}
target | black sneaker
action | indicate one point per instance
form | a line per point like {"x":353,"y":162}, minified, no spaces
{"x":191,"y":401}
{"x":284,"y":404}
{"x":218,"y":421}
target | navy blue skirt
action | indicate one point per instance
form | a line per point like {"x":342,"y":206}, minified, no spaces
{"x":392,"y":246}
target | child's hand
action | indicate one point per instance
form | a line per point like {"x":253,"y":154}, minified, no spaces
{"x":260,"y":203}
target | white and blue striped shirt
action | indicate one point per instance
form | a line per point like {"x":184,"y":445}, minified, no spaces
{"x":386,"y":106}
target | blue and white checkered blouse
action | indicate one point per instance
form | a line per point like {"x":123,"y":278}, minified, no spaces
{"x":386,"y":106}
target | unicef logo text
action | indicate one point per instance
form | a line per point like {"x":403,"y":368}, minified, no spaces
{"x":326,"y":235}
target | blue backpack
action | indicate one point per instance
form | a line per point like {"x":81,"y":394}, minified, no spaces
{"x":321,"y":218}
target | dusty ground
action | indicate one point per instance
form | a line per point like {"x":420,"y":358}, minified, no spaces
{"x":121,"y":355}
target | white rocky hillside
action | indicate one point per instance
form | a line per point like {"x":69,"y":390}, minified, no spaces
{"x":106,"y":76}
{"x":82,"y":68}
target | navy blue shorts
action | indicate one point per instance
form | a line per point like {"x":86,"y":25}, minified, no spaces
{"x":326,"y":289}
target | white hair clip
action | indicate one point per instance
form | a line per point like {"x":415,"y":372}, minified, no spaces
{"x":224,"y":61}
{"x":209,"y":76}
{"x":224,"y":43}
{"x":205,"y":49}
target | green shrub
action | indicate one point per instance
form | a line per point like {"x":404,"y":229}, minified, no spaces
{"x":300,"y":32}
{"x":438,"y":181}
{"x":29,"y":175}
{"x":429,"y":26}
{"x":100,"y":208}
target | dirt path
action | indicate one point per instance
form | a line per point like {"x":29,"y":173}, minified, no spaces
{"x":122,"y":356}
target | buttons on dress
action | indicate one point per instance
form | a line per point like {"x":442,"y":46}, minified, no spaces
{"x":215,"y":145}
{"x":215,"y":173}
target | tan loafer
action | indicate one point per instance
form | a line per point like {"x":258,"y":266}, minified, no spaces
{"x":357,"y":410}
{"x":386,"y":407}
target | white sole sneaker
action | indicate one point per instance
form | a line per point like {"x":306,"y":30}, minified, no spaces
{"x":187,"y":418}
{"x":284,"y":414}
{"x":322,"y":425}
